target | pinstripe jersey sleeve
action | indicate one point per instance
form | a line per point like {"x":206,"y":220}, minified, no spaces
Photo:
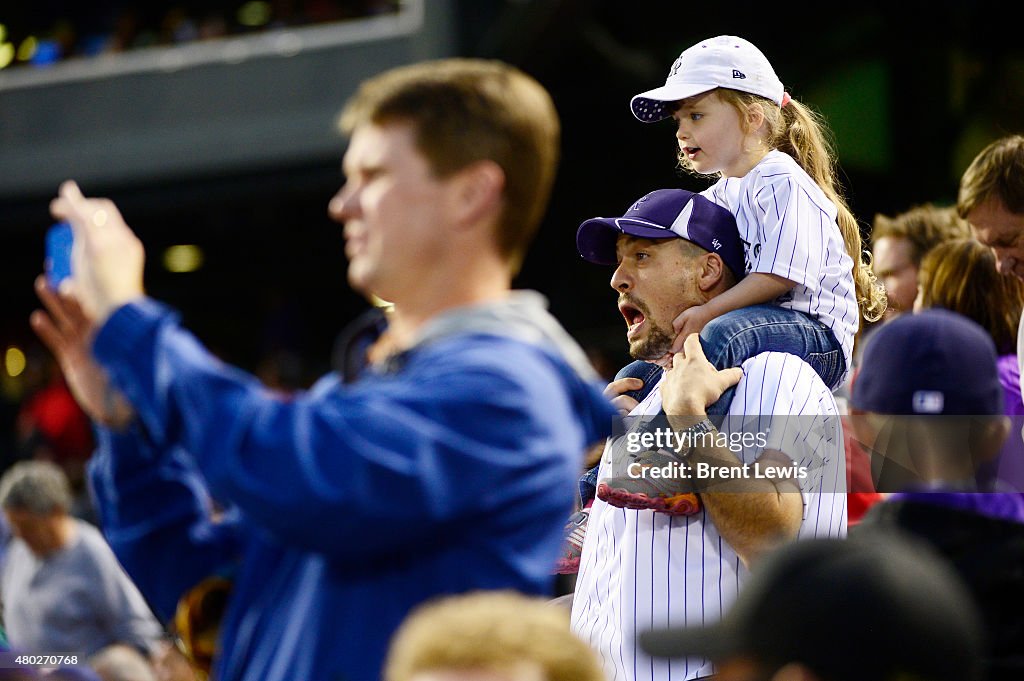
{"x":789,"y":229}
{"x":641,"y":570}
{"x":784,"y":400}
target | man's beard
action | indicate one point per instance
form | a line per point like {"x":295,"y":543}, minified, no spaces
{"x":654,"y":346}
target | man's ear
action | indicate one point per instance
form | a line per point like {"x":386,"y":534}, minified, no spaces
{"x":479,"y":190}
{"x":712,"y":271}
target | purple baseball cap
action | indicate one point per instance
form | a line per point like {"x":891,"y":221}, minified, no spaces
{"x":932,"y":362}
{"x":666,"y":214}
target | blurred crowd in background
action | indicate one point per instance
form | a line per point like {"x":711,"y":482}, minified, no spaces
{"x":41,"y":36}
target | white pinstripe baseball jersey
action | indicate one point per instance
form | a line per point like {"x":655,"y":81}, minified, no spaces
{"x":788,"y":227}
{"x":641,"y":569}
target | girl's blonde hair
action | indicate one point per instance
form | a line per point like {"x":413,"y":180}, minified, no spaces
{"x":800,"y":132}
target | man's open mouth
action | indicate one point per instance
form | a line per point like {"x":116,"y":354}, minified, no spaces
{"x":633,"y":315}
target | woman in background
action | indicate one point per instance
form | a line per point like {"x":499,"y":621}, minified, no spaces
{"x":961,"y":276}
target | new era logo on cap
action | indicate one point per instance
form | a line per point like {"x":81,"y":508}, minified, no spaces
{"x":737,"y":74}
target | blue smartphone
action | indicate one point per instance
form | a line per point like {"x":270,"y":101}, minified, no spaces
{"x":58,"y":254}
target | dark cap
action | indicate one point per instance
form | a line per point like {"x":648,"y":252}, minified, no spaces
{"x":868,"y":608}
{"x":932,"y":362}
{"x":665,"y":214}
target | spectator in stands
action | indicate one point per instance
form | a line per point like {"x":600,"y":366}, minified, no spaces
{"x":991,"y":199}
{"x":961,"y":276}
{"x":931,"y":408}
{"x":448,"y":466}
{"x":877,"y":609}
{"x":490,"y":636}
{"x":62,"y":588}
{"x":899,"y":243}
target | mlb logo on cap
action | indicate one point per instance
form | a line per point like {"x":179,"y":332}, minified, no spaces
{"x":666,"y":214}
{"x":932,"y":362}
{"x":928,"y":402}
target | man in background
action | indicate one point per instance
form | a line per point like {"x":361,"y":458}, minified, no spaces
{"x":899,"y":244}
{"x":62,"y":588}
{"x":991,"y":199}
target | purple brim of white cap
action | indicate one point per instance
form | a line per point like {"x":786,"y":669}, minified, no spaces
{"x":596,"y":238}
{"x":651,"y":106}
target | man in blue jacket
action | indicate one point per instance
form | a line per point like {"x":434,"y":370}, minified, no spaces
{"x":448,"y":466}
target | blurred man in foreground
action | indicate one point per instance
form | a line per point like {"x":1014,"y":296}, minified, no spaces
{"x":449,"y":466}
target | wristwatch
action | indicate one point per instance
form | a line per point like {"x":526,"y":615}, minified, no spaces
{"x":696,"y":433}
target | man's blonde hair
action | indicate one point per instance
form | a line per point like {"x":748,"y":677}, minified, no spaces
{"x":496,"y":631}
{"x":469,"y":110}
{"x":996,"y":172}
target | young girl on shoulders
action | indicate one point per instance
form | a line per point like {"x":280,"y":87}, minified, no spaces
{"x":807,"y":281}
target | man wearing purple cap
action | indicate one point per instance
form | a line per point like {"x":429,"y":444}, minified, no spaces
{"x":928,"y":406}
{"x":769,"y":475}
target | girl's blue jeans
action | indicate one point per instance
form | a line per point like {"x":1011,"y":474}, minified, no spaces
{"x":736,"y":336}
{"x":741,"y":334}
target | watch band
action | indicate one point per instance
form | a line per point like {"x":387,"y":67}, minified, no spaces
{"x":696,"y":432}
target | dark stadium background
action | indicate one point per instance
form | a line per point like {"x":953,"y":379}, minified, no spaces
{"x":911,"y":94}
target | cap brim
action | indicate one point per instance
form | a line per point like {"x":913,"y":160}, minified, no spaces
{"x":714,"y":642}
{"x":649,"y":106}
{"x":596,"y":238}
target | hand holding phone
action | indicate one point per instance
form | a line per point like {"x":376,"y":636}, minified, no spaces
{"x":57,"y":265}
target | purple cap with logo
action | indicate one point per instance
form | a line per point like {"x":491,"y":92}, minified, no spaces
{"x":665,"y":214}
{"x":932,"y":362}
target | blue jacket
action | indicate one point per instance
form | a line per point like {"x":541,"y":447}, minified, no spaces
{"x":451,"y":472}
